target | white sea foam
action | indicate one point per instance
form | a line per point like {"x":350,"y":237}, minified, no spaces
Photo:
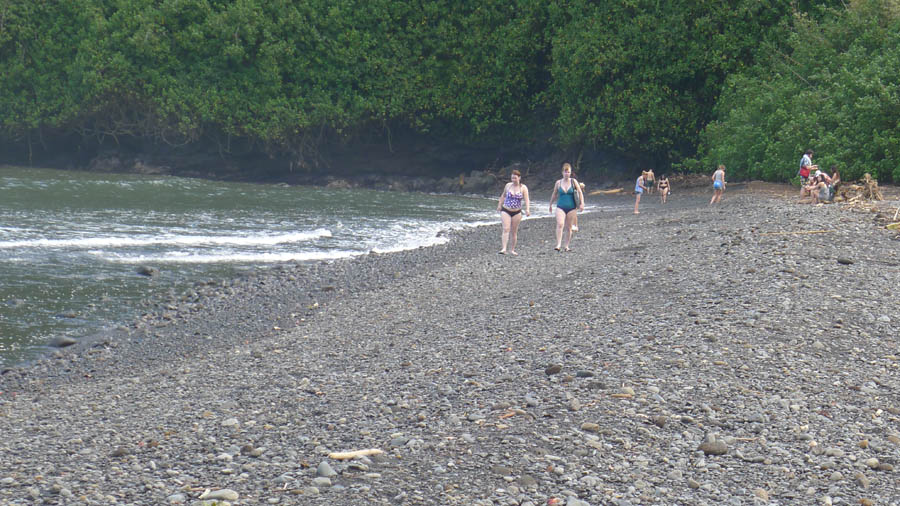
{"x":179,"y":240}
{"x":226,"y":258}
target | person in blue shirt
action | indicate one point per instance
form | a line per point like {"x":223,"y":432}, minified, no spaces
{"x":639,"y":188}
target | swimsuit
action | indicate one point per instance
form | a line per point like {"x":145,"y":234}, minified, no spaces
{"x":638,"y":185}
{"x":513,"y":201}
{"x":664,"y":185}
{"x":719,"y":177}
{"x":566,"y":200}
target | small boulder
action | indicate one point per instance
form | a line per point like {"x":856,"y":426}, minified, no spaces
{"x":146,"y":270}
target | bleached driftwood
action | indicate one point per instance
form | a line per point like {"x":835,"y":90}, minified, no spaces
{"x":354,"y":454}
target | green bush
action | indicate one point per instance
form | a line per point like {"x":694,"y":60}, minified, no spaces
{"x":834,"y":89}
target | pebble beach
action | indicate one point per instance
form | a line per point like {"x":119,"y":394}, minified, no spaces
{"x":741,"y":354}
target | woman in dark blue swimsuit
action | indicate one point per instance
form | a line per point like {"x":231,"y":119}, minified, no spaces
{"x":564,"y":195}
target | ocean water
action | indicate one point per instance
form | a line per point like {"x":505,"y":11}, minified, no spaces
{"x":71,"y":243}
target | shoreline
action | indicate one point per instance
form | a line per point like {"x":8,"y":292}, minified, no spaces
{"x":680,"y":357}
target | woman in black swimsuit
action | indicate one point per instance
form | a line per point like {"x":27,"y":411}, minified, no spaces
{"x":663,"y":187}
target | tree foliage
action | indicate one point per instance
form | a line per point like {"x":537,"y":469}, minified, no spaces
{"x":834,"y":88}
{"x":639,"y":77}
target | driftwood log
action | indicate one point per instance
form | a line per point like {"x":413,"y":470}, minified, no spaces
{"x":354,"y":454}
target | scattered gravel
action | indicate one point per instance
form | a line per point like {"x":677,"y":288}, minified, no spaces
{"x":686,"y":355}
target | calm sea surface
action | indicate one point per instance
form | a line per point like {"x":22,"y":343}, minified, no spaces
{"x":71,"y":243}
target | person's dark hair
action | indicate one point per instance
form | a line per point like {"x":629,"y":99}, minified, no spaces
{"x":515,"y":172}
{"x":809,"y":152}
{"x":834,"y":168}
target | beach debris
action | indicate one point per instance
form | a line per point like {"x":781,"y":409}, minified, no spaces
{"x":354,"y":454}
{"x":607,"y":192}
{"x":859,"y":192}
{"x":796,"y":232}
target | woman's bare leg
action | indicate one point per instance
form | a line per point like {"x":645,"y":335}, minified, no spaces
{"x":504,"y":237}
{"x":560,"y":222}
{"x":570,"y":217}
{"x":514,"y":232}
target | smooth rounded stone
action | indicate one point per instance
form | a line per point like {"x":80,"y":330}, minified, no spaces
{"x":714,"y":447}
{"x":553,"y":369}
{"x":231,"y":422}
{"x":590,"y":481}
{"x":827,"y":464}
{"x":862,"y":480}
{"x":324,"y":469}
{"x":590,"y":427}
{"x":836,"y":476}
{"x":693,"y":483}
{"x":224,"y":494}
{"x":527,"y":481}
{"x":584,"y":374}
{"x":872,"y":463}
{"x":576,"y":502}
{"x":62,"y":342}
{"x":399,"y":441}
{"x":7,"y":482}
{"x":834,"y":452}
{"x":176,"y":499}
{"x":321,"y":482}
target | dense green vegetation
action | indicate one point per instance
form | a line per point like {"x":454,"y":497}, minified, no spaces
{"x":647,"y":79}
{"x":834,"y":88}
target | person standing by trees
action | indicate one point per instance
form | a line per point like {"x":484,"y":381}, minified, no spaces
{"x":718,"y":179}
{"x":649,"y":181}
{"x":806,"y":167}
{"x":663,"y":187}
{"x":569,"y":200}
{"x":510,"y":207}
{"x":639,"y":188}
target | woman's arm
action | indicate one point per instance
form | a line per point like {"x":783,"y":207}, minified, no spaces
{"x":580,"y":194}
{"x":502,"y":195}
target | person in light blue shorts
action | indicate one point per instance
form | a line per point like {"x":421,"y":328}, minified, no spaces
{"x":639,"y":187}
{"x":718,"y":179}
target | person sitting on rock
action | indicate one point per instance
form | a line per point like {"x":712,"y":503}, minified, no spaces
{"x":819,"y":192}
{"x":835,"y":181}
